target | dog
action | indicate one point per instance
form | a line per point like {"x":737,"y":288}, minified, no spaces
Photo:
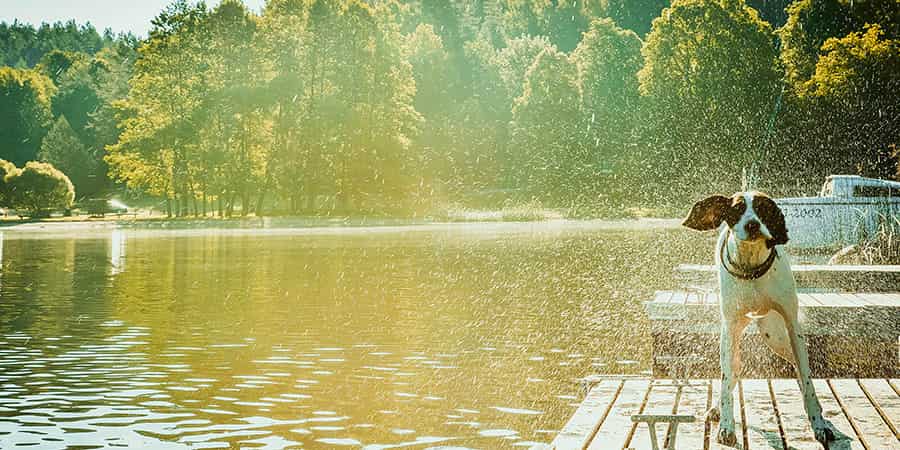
{"x":755,"y":283}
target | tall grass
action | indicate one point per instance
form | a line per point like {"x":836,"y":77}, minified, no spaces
{"x":881,"y":246}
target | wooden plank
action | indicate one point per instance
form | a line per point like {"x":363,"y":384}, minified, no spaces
{"x":698,"y":298}
{"x":789,"y":400}
{"x":885,"y":400}
{"x":762,"y":425}
{"x":678,"y":298}
{"x":839,"y":300}
{"x":880,"y":298}
{"x":589,"y":415}
{"x":694,"y":400}
{"x":691,"y":298}
{"x":831,"y":410}
{"x":805,"y":300}
{"x":862,"y":299}
{"x":662,"y":297}
{"x":806,"y":268}
{"x":662,"y":400}
{"x":615,"y":430}
{"x":872,"y":429}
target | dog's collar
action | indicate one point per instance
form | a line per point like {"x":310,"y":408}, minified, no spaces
{"x":749,"y":274}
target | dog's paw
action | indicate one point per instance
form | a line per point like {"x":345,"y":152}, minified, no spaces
{"x":712,"y":415}
{"x":726,"y":437}
{"x":824,"y":435}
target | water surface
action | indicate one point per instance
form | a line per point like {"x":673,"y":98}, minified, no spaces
{"x":461,"y":336}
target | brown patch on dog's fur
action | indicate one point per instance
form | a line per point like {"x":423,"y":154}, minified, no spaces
{"x":770,"y":214}
{"x":709,"y":213}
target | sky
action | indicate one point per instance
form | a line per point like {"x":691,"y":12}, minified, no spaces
{"x":119,"y":15}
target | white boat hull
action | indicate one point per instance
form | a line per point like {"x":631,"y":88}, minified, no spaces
{"x":829,"y":222}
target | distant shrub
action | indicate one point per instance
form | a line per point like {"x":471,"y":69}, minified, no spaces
{"x":7,"y":169}
{"x":39,"y":188}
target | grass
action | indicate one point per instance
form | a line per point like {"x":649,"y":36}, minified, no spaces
{"x":531,"y":211}
{"x":882,"y":246}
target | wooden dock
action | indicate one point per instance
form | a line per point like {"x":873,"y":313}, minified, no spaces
{"x":848,"y":335}
{"x":769,"y":414}
{"x":838,"y":277}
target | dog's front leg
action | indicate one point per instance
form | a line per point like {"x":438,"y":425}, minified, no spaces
{"x":821,"y":427}
{"x":730,"y":361}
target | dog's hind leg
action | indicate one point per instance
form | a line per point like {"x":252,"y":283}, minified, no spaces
{"x":774,"y":333}
{"x":821,"y":428}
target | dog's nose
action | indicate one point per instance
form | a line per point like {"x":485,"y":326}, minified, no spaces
{"x":752,"y":227}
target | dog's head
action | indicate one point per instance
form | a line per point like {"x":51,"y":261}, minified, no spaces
{"x":752,"y":216}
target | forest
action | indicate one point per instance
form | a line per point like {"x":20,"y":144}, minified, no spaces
{"x":399,"y":108}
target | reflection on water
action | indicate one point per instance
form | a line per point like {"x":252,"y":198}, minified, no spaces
{"x":376,"y":340}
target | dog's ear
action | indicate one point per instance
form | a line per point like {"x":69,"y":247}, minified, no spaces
{"x":708,"y":214}
{"x":770,"y":214}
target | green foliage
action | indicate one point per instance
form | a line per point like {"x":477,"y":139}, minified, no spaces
{"x":55,"y":63}
{"x":636,"y":16}
{"x":709,"y":102}
{"x":548,"y":157}
{"x":63,"y":149}
{"x":349,"y":106}
{"x":608,"y":59}
{"x":39,"y":188}
{"x":23,"y":46}
{"x":562,"y":22}
{"x":7,"y":169}
{"x":856,"y":83}
{"x":24,"y":113}
{"x":812,"y":22}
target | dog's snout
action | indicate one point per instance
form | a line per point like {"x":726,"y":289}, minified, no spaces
{"x":752,"y":227}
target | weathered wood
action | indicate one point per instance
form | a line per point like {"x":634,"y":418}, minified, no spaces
{"x":807,"y":268}
{"x":762,"y":425}
{"x":768,"y":414}
{"x":855,"y":277}
{"x":661,"y":401}
{"x":789,"y":400}
{"x":616,"y":429}
{"x":831,"y":410}
{"x":849,"y":334}
{"x":871,"y":426}
{"x":879,"y":393}
{"x":590,"y":414}
{"x":694,"y":400}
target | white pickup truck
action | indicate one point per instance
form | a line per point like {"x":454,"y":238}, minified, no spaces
{"x":848,"y":208}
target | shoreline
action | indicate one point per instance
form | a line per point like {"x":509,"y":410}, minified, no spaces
{"x":308,"y":225}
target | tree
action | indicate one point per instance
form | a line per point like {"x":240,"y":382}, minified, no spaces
{"x":63,"y":149}
{"x":57,"y":62}
{"x":608,"y":59}
{"x":855,"y":86}
{"x":562,"y":22}
{"x":548,"y":158}
{"x":7,"y":169}
{"x":24,"y":113}
{"x":635,"y":16}
{"x":811,"y":22}
{"x":709,"y":108}
{"x":158,"y":140}
{"x":39,"y":188}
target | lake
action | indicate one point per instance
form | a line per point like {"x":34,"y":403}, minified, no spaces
{"x":443,"y":336}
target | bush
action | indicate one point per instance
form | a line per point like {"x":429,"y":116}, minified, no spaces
{"x":7,"y":169}
{"x":39,"y":188}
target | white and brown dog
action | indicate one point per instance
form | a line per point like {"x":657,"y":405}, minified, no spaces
{"x":755,"y":283}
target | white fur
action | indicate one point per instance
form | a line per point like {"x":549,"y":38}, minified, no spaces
{"x":771,"y":300}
